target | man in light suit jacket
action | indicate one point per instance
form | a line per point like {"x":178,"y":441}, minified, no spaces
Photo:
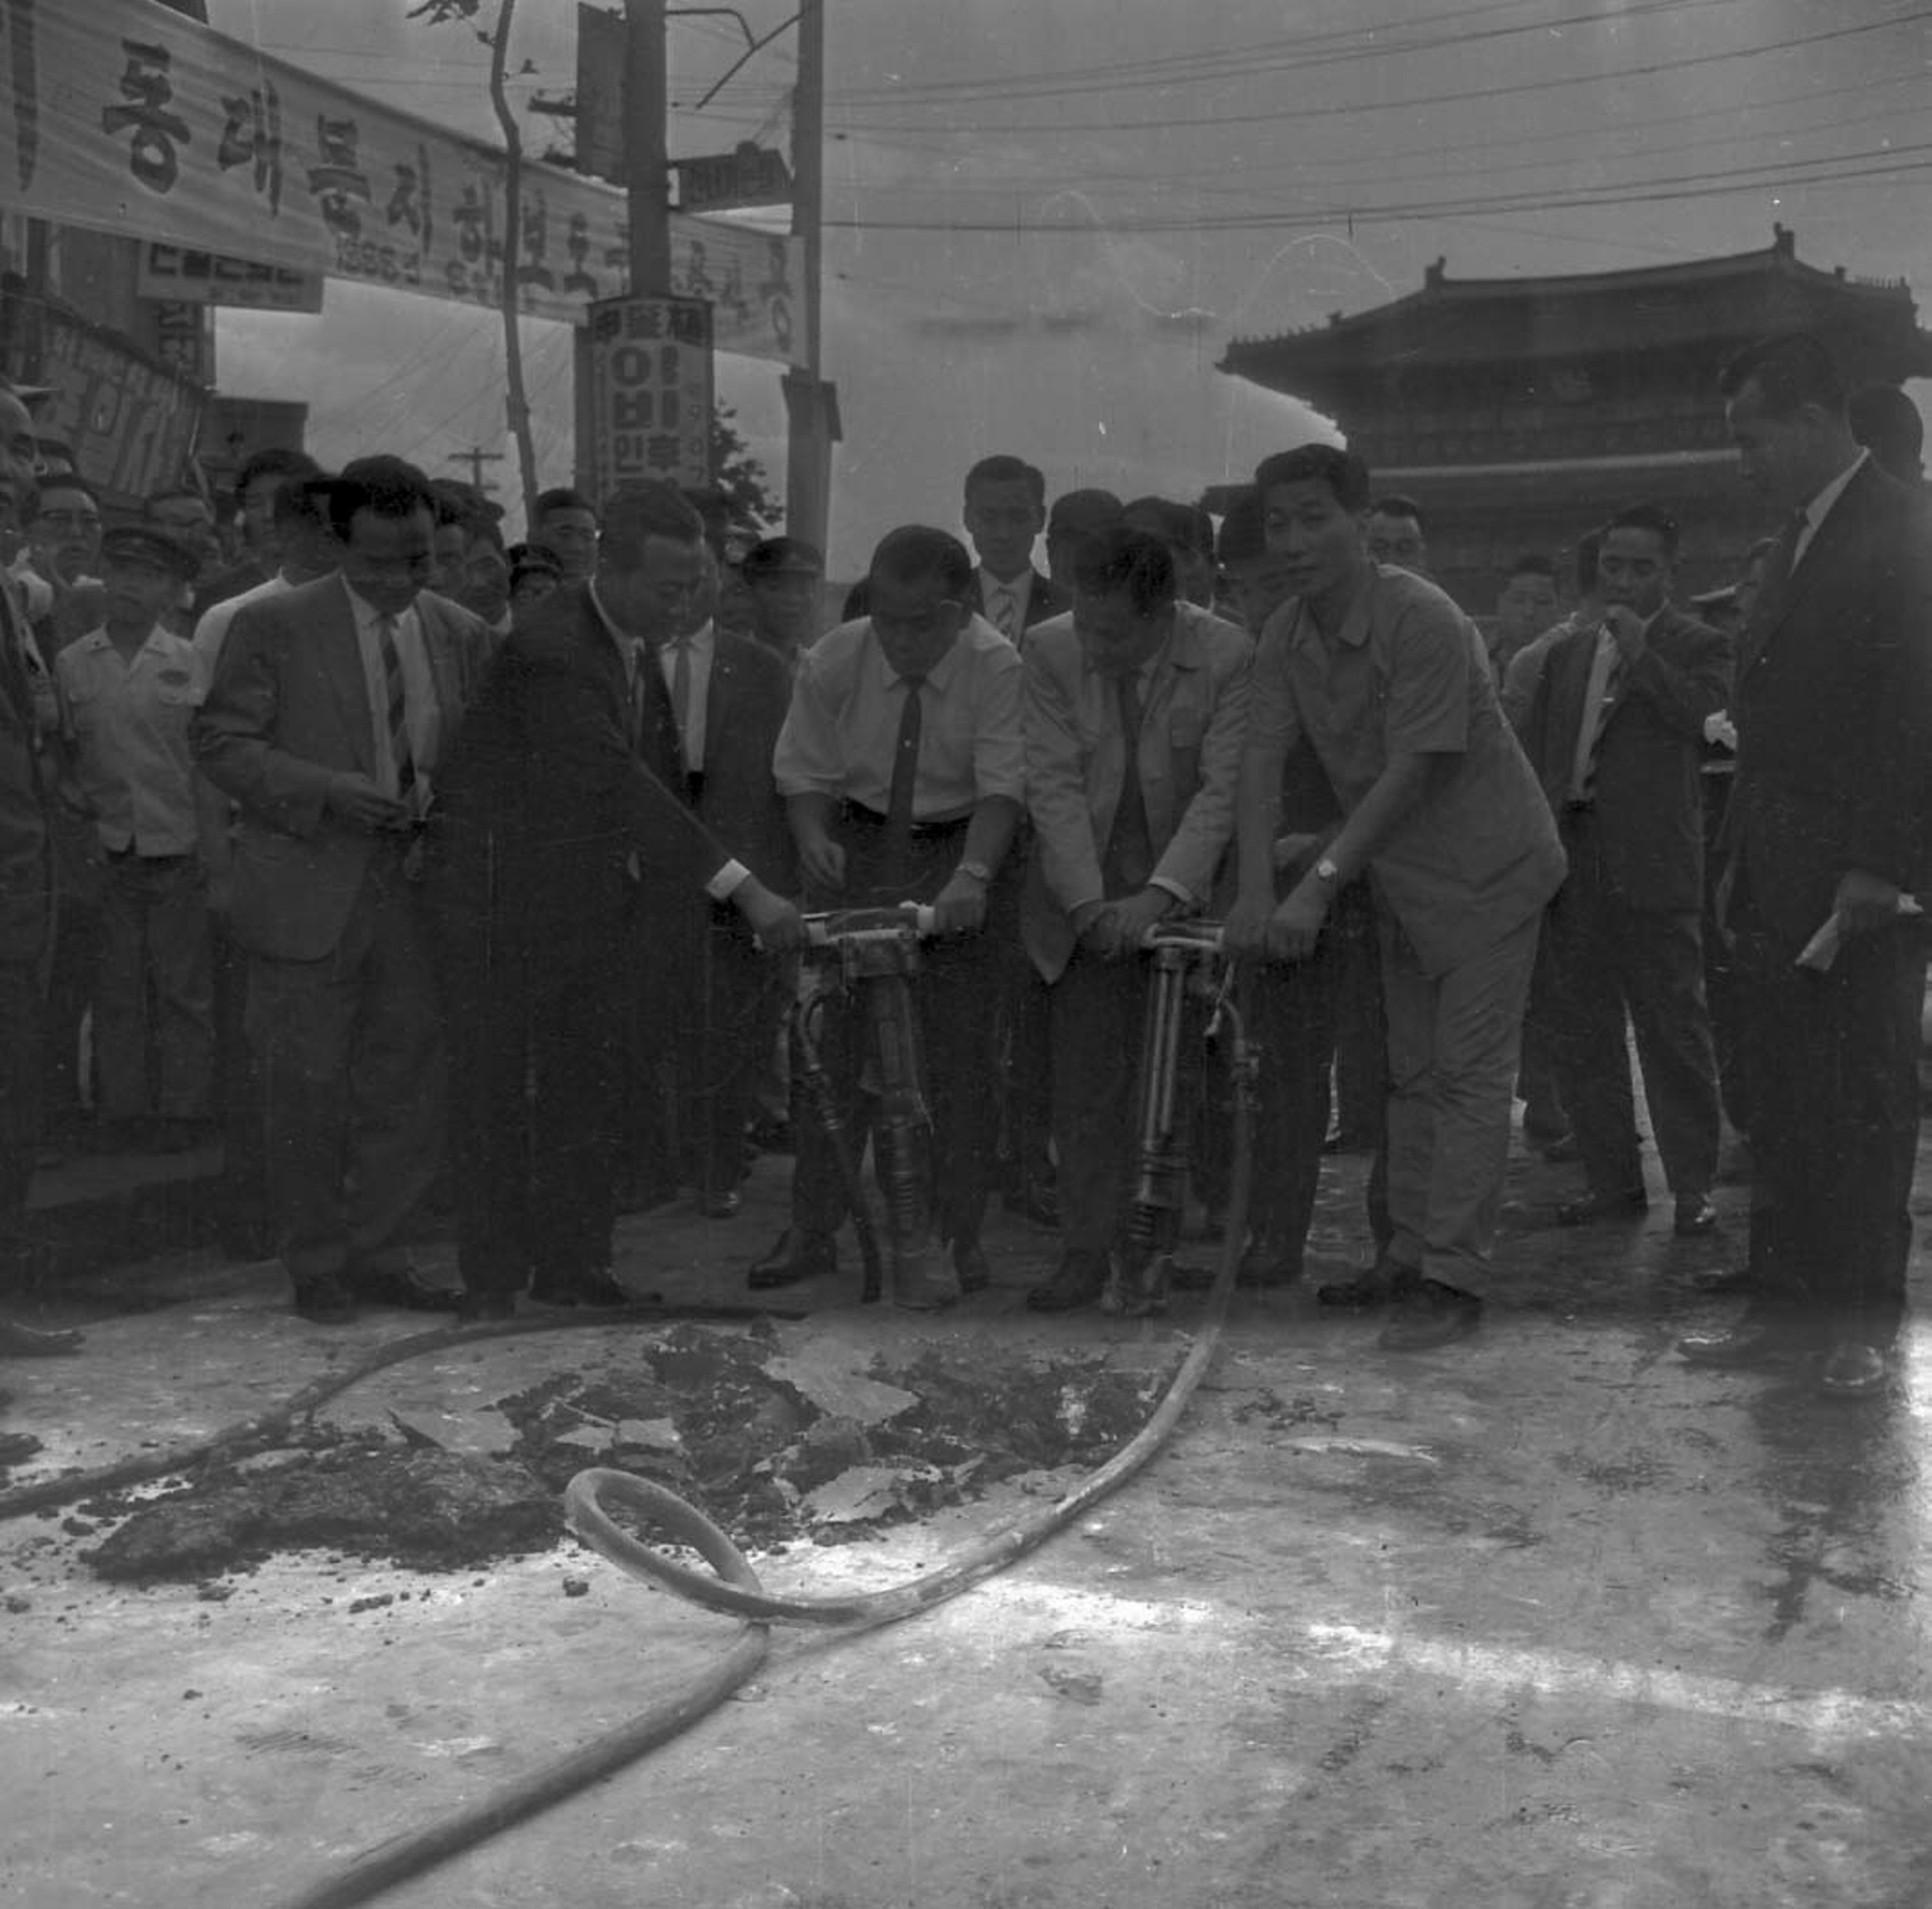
{"x":1615,"y":731}
{"x":1830,"y":819}
{"x":1127,"y":831}
{"x":329,"y":713}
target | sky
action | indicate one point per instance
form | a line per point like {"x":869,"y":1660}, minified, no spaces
{"x":1044,"y":222}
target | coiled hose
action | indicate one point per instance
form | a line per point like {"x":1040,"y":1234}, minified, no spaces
{"x":736,"y":1587}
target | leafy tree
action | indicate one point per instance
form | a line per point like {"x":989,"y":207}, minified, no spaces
{"x":740,"y":476}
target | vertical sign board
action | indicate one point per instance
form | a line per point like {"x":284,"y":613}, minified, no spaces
{"x":651,"y":391}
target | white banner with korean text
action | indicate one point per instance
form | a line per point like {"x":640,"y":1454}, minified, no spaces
{"x":124,"y":115}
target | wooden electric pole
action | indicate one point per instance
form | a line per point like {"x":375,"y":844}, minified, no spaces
{"x":476,"y":457}
{"x":646,"y":162}
{"x":810,"y":409}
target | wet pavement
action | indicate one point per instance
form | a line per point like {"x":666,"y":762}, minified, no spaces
{"x":1546,"y":1618}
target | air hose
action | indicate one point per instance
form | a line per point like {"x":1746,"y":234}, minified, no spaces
{"x":735,"y":1588}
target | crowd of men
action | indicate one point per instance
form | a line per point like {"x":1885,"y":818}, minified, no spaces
{"x":435,"y":870}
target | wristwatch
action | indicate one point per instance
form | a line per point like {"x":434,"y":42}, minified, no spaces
{"x":975,"y":872}
{"x":1325,"y":870}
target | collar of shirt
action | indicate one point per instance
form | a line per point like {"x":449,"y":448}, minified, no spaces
{"x":367,"y":615}
{"x":1356,"y":621}
{"x":157,"y":639}
{"x":938,"y":677}
{"x":992,"y":587}
{"x":1820,"y":506}
{"x":698,"y":644}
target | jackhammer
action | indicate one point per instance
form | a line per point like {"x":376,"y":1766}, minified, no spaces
{"x":868,"y":957}
{"x":1189,"y":966}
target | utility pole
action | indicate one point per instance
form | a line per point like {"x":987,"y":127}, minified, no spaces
{"x":646,"y":162}
{"x":810,"y":405}
{"x":476,"y":457}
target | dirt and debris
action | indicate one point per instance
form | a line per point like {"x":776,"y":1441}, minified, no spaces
{"x":775,"y":1446}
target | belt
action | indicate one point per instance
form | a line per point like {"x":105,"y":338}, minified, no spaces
{"x":937,"y":825}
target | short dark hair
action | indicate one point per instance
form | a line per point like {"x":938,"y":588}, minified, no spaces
{"x":915,"y":552}
{"x":562,"y":498}
{"x":486,"y":530}
{"x":1005,"y":469}
{"x":1243,"y":531}
{"x":1589,"y":547}
{"x":1080,"y":513}
{"x":167,"y":495}
{"x":1343,"y":472}
{"x":304,"y":500}
{"x":1651,"y":517}
{"x":1533,"y":563}
{"x":638,"y":511}
{"x":1185,"y":524}
{"x":386,"y":486}
{"x":1888,"y":423}
{"x":60,"y":481}
{"x":1130,"y":560}
{"x":1396,"y":505}
{"x":277,"y":461}
{"x":1792,"y":369}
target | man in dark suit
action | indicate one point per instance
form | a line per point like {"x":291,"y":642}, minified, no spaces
{"x":1830,"y":821}
{"x":1005,"y":513}
{"x":26,"y":908}
{"x":327,"y":722}
{"x":712,"y":704}
{"x":554,"y":840}
{"x":1616,"y":732}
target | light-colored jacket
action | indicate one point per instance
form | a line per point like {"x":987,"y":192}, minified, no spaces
{"x":1193,"y":713}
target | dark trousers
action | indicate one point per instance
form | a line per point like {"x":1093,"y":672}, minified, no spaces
{"x":243,"y":1192}
{"x":954,"y":995}
{"x":154,"y":991}
{"x":20,"y":1011}
{"x":1720,"y":981}
{"x":352,"y":1083}
{"x":535,"y":1035}
{"x":1297,"y":1012}
{"x":1833,"y":1066}
{"x":1614,"y":961}
{"x":1544,"y":1117}
{"x":1360,"y":1019}
{"x":711,"y":1004}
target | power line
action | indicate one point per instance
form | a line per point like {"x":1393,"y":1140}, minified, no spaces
{"x":1356,"y":109}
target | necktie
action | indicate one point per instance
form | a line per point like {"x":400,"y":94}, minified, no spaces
{"x":1129,"y":858}
{"x":1006,"y":614}
{"x":400,"y":752}
{"x":1606,"y":674}
{"x":680,"y":696}
{"x":896,"y":848}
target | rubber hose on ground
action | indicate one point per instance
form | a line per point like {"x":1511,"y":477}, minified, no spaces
{"x":737,"y":1589}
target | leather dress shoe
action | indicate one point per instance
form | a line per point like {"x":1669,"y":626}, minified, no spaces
{"x":968,"y":1262}
{"x":26,"y":1342}
{"x":1738,"y":1281}
{"x":1272,"y":1259}
{"x":1430,"y":1314}
{"x":1696,"y":1215}
{"x":324,"y":1302}
{"x":400,"y":1286}
{"x":1387,"y":1279}
{"x":476,"y":1308}
{"x":794,"y":1256}
{"x":1854,"y":1370}
{"x":1079,"y":1280}
{"x":723,"y":1204}
{"x":1752,"y":1341}
{"x":595,"y":1287}
{"x":1595,"y":1207}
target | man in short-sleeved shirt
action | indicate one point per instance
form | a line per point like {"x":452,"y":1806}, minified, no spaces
{"x":1387,"y":679}
{"x":891,"y":803}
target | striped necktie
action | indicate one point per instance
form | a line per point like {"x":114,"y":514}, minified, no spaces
{"x":397,"y":702}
